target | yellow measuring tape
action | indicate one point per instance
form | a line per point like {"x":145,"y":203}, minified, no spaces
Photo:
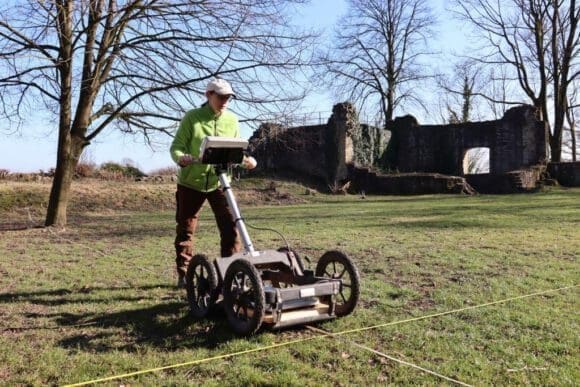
{"x":287,"y":343}
{"x":384,"y":355}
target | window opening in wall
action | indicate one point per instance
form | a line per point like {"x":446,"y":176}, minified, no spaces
{"x":476,"y":161}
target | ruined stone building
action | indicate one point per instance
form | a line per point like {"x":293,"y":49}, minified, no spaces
{"x":516,"y":146}
{"x":324,"y":152}
{"x":407,"y":157}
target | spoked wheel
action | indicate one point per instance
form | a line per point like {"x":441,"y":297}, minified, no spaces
{"x":336,"y":265}
{"x":201,"y":283}
{"x":244,"y":299}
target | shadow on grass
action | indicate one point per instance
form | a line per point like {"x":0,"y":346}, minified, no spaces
{"x":19,"y":226}
{"x":71,"y":295}
{"x":166,"y":325}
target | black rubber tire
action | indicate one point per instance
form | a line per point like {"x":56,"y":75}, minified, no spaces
{"x":335,"y":264}
{"x":244,"y":299}
{"x":201,"y":283}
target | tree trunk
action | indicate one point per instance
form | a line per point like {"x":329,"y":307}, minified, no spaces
{"x":390,"y":104}
{"x":572,"y":125}
{"x":69,"y":151}
{"x":556,"y":147}
{"x":560,"y":108}
{"x":573,"y":134}
{"x":556,"y":142}
{"x":65,"y":160}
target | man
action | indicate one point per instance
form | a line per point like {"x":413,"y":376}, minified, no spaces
{"x":198,"y":182}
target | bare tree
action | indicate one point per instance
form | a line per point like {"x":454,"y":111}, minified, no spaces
{"x":475,"y":160}
{"x":378,"y":52}
{"x":137,"y":65}
{"x":488,"y":88}
{"x":571,"y":120}
{"x":459,"y":92}
{"x":570,"y":138}
{"x":538,"y":41}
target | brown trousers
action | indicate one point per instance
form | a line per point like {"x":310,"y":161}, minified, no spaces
{"x":189,"y":203}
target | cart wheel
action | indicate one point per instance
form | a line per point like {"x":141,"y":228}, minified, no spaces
{"x":201,"y":283}
{"x":244,"y":299}
{"x":337,"y":265}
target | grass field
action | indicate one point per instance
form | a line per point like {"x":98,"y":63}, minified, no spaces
{"x":97,"y":300}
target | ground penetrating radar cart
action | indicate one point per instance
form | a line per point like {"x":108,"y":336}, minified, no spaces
{"x":269,"y":288}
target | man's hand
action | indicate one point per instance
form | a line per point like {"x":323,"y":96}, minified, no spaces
{"x":185,"y":160}
{"x":249,"y":162}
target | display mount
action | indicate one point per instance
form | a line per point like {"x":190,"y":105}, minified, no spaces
{"x":222,"y":150}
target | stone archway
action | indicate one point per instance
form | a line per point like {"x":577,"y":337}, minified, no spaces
{"x":476,"y":161}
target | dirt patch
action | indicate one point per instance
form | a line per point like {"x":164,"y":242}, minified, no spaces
{"x":24,"y":204}
{"x":266,"y":196}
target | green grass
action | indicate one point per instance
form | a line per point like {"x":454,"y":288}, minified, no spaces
{"x":97,"y":299}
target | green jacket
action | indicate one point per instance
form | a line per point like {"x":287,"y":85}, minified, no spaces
{"x":195,"y":126}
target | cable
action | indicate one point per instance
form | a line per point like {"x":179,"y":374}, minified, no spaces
{"x":270,"y":229}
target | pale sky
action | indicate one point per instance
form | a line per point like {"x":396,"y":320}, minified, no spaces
{"x":35,"y":148}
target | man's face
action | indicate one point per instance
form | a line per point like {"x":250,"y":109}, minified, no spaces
{"x":218,"y":103}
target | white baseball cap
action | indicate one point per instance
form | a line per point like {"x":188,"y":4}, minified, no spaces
{"x":220,"y":86}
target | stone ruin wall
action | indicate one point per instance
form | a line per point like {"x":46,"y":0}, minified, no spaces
{"x":297,"y":150}
{"x":322,"y":152}
{"x":424,"y":158}
{"x":567,"y":173}
{"x":517,"y":149}
{"x":518,"y":140}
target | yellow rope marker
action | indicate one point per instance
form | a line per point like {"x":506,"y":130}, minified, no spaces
{"x":387,"y":356}
{"x":455,"y":310}
{"x":193,"y":362}
{"x":283,"y":344}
